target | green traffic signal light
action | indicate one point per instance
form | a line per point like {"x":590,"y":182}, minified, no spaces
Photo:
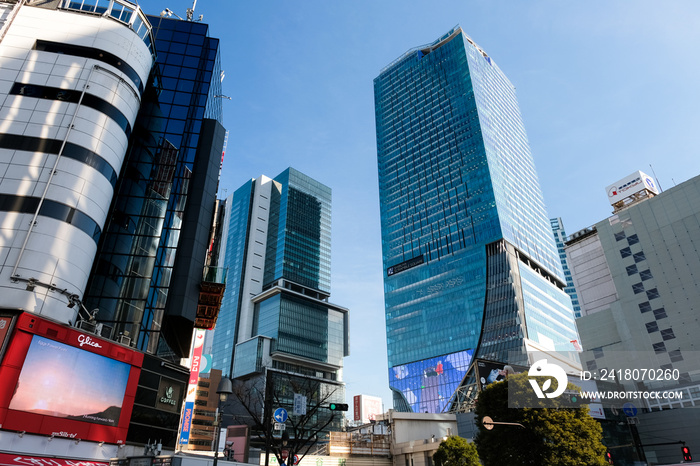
{"x":338,"y":407}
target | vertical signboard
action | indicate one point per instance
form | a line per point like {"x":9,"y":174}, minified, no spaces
{"x":356,"y":407}
{"x":192,"y":387}
{"x":5,"y":327}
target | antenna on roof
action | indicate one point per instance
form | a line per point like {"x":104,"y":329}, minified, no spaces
{"x":190,"y":12}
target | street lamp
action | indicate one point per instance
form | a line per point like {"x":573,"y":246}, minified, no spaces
{"x":224,"y":390}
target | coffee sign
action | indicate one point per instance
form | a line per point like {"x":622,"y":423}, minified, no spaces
{"x":168,"y":395}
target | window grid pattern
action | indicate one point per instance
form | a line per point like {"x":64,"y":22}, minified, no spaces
{"x":131,"y":276}
{"x":299,"y":232}
{"x":453,"y":163}
{"x":559,"y":238}
{"x":237,"y":216}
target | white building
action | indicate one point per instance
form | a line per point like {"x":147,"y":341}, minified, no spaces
{"x":71,"y":79}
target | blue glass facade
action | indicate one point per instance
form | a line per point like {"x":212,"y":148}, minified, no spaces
{"x":276,"y":325}
{"x":235,"y":239}
{"x":559,"y":238}
{"x":285,"y":246}
{"x":136,"y":257}
{"x":455,"y":175}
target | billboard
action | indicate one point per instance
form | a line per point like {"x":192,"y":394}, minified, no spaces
{"x":195,"y":367}
{"x":62,"y":382}
{"x":629,"y":185}
{"x":366,"y":408}
{"x":488,"y":372}
{"x":15,"y":459}
{"x":428,"y":385}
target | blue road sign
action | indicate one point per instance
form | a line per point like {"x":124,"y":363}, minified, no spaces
{"x":280,"y":415}
{"x":629,"y":409}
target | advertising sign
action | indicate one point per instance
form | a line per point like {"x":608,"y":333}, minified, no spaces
{"x":7,"y":459}
{"x":366,"y":408}
{"x":66,"y":383}
{"x":192,"y":387}
{"x":629,"y":185}
{"x":427,"y":384}
{"x":186,"y":422}
{"x":489,"y":372}
{"x":63,"y":381}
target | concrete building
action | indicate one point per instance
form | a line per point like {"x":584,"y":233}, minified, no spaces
{"x":109,"y":160}
{"x":635,"y":273}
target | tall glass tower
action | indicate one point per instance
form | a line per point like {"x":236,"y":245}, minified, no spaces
{"x":559,"y":238}
{"x":145,"y":278}
{"x":276,"y":321}
{"x":471,"y":268}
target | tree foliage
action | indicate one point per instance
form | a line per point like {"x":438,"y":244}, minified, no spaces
{"x":456,"y":451}
{"x":551,"y":436}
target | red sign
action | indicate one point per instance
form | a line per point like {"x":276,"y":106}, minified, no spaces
{"x":22,"y":460}
{"x":4,"y":328}
{"x":73,"y":384}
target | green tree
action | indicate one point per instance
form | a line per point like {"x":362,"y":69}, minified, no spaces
{"x":456,"y":451}
{"x":551,"y":436}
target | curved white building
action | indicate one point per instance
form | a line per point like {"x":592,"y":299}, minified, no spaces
{"x":71,"y":78}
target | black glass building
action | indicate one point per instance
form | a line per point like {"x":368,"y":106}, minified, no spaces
{"x":151,"y":255}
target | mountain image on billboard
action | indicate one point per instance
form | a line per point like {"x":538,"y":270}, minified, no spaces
{"x":64,"y":381}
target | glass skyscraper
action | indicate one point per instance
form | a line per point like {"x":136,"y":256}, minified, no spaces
{"x":470,"y":266}
{"x":559,"y":238}
{"x":155,"y":240}
{"x":275,"y":315}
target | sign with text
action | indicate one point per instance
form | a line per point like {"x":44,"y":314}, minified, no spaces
{"x":405,"y":265}
{"x":299,"y":404}
{"x":7,"y":459}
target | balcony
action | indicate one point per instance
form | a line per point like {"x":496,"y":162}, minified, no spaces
{"x":211,"y":292}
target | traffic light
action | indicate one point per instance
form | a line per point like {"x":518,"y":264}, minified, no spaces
{"x":608,"y":457}
{"x":338,"y":407}
{"x":686,"y":454}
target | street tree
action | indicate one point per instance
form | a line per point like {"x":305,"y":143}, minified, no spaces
{"x":456,"y":451}
{"x":254,"y":401}
{"x":555,"y":436}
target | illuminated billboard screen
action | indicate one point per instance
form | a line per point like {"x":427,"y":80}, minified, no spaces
{"x":67,"y":382}
{"x":428,"y":385}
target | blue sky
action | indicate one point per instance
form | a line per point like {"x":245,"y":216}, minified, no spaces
{"x":605,"y":88}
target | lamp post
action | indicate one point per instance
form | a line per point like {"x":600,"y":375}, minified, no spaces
{"x":224,"y":390}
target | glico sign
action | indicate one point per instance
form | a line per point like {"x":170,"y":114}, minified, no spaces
{"x":60,"y":382}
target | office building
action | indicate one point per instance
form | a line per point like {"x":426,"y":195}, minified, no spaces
{"x":635,"y":274}
{"x":147,"y":273}
{"x":559,"y":238}
{"x":276,"y":317}
{"x":470,"y":266}
{"x":110,"y":148}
